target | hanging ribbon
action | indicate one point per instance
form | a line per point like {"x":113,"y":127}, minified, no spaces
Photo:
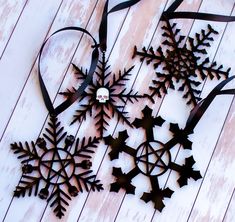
{"x":68,"y":102}
{"x":104,"y":23}
{"x":199,"y":110}
{"x":94,"y":60}
{"x":171,"y":13}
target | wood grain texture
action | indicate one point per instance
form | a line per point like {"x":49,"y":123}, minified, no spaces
{"x":9,"y":9}
{"x":15,"y":68}
{"x":24,"y":25}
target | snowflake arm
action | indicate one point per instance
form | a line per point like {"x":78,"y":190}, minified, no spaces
{"x":87,"y":181}
{"x":118,"y":145}
{"x":212,"y":70}
{"x":54,"y":134}
{"x":102,"y":72}
{"x":26,"y":185}
{"x":102,"y":119}
{"x":157,"y":194}
{"x":121,"y":79}
{"x":82,"y":113}
{"x":59,"y":200}
{"x":186,"y":171}
{"x":129,"y":96}
{"x":123,"y":180}
{"x":25,"y":152}
{"x":84,"y":148}
{"x":160,"y":86}
{"x":202,"y":40}
{"x":121,"y":115}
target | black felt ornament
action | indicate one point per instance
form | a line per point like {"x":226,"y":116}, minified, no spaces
{"x":153,"y":158}
{"x":182,"y":62}
{"x":51,"y":168}
{"x":107,"y":94}
{"x":53,"y":171}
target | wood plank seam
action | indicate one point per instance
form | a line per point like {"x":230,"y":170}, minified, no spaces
{"x":232,"y":195}
{"x":230,"y":107}
{"x":9,"y":38}
{"x":21,"y":94}
{"x":28,"y":76}
{"x":203,"y":178}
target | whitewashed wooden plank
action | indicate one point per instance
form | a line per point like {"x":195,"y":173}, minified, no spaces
{"x":219,"y":182}
{"x":230,"y":216}
{"x":31,"y":113}
{"x":110,"y":201}
{"x":21,"y":53}
{"x":180,"y":204}
{"x":10,"y":12}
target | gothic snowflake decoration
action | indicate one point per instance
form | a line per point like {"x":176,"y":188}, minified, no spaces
{"x":55,"y":173}
{"x":106,"y":95}
{"x":152,"y":158}
{"x":182,"y":62}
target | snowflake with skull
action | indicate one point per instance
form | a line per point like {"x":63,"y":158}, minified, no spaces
{"x":59,"y":169}
{"x":105,"y":96}
{"x":152,"y":158}
{"x":182,"y":62}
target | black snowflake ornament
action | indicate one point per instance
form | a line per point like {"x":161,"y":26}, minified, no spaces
{"x":105,"y":96}
{"x":182,"y":63}
{"x":152,"y":158}
{"x":55,"y":173}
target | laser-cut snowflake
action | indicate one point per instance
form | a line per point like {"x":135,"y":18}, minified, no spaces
{"x":182,"y":62}
{"x":58,"y":169}
{"x":106,"y":95}
{"x":152,"y":158}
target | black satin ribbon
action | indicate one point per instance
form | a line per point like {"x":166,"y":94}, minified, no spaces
{"x":171,"y":14}
{"x":68,"y":102}
{"x":94,"y":59}
{"x":199,"y":110}
{"x":104,"y":22}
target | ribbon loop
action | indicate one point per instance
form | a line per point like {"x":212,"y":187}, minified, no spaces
{"x":95,"y":55}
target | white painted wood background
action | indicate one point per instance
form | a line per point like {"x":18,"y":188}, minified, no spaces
{"x":24,"y":25}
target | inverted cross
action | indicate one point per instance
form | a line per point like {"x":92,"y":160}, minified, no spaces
{"x":148,"y":122}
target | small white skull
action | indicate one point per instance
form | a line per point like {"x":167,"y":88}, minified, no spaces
{"x":102,"y":95}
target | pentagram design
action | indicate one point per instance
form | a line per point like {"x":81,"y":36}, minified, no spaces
{"x":152,"y":160}
{"x":57,"y":166}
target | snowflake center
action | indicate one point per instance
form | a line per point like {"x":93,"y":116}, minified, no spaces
{"x":152,"y":159}
{"x":180,"y":62}
{"x":102,"y":95}
{"x":57,"y":166}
